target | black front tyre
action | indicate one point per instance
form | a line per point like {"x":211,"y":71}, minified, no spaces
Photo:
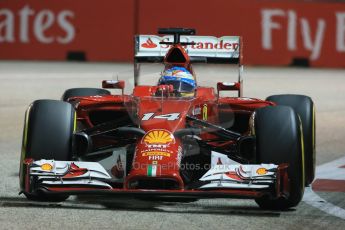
{"x":48,"y":131}
{"x":279,"y":140}
{"x":304,"y":107}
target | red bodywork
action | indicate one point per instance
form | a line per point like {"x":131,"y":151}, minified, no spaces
{"x":166,"y":114}
{"x":141,"y":103}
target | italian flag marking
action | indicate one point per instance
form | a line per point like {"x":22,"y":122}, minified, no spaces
{"x":152,"y":170}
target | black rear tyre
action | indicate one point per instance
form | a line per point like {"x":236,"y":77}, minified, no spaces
{"x":81,"y":92}
{"x":278,"y":140}
{"x":48,"y":131}
{"x":304,"y":107}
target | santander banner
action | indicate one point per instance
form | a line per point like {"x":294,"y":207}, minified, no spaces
{"x":208,"y":46}
{"x":274,"y":32}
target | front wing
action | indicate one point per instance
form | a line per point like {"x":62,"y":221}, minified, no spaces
{"x":221,"y":181}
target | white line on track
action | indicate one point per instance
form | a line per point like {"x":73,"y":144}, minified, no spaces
{"x":331,"y":171}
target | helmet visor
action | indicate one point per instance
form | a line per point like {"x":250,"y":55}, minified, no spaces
{"x":179,"y":86}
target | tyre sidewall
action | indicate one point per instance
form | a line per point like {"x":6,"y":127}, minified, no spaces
{"x":279,"y":141}
{"x":304,"y":107}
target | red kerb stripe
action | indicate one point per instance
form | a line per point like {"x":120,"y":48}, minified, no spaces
{"x":329,"y":185}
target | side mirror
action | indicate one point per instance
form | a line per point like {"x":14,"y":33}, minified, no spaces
{"x":229,"y":86}
{"x":113,"y":84}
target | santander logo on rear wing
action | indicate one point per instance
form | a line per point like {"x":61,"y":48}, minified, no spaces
{"x":228,"y":47}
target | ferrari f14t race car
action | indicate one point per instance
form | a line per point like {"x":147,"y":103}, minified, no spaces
{"x":171,"y":139}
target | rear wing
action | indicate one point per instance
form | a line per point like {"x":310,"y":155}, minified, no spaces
{"x":207,"y":49}
{"x":200,"y":49}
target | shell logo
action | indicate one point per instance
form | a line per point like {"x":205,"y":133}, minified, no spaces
{"x":158,"y":137}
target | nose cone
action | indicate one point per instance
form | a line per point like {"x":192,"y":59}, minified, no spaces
{"x":156,"y":163}
{"x":158,"y":154}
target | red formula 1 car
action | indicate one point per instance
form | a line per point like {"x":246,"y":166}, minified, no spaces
{"x":172,"y":139}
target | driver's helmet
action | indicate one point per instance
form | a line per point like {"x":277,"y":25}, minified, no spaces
{"x":181,"y":79}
